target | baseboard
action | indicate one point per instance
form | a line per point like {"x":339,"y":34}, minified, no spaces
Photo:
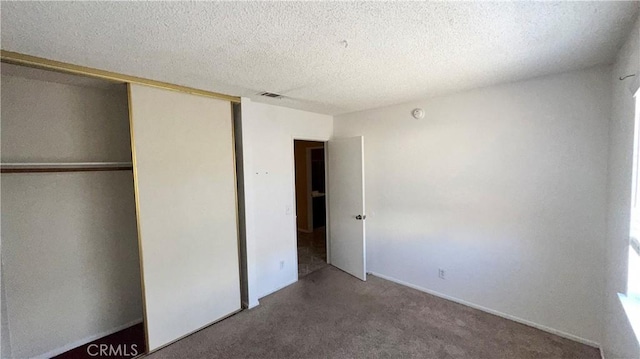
{"x":278,"y":288}
{"x":88,"y":339}
{"x":494,"y":312}
{"x":246,"y":305}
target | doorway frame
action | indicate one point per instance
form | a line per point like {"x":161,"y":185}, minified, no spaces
{"x":327,"y":233}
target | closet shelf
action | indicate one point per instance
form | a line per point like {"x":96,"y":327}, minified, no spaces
{"x":64,"y":167}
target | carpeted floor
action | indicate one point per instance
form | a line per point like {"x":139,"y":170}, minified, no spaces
{"x":329,"y":314}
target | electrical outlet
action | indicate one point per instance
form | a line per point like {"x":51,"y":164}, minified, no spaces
{"x":281,"y":265}
{"x":441,"y":273}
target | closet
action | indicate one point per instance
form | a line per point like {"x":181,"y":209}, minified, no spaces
{"x":118,"y":208}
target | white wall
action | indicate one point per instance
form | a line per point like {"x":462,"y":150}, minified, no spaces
{"x":69,"y":240}
{"x":5,"y":351}
{"x":619,"y":340}
{"x":504,"y":188}
{"x":267,"y":137}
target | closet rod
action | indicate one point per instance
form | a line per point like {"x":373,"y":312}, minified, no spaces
{"x":64,"y":167}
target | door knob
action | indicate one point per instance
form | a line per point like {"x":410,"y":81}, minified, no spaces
{"x":361,"y":217}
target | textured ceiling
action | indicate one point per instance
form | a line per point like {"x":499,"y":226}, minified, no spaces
{"x":394,"y":51}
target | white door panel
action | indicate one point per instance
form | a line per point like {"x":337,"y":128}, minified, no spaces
{"x":187,"y":220}
{"x":346,"y":205}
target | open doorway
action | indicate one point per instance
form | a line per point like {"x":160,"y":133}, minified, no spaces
{"x":311,"y":211}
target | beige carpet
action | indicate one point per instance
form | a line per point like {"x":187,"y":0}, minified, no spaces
{"x":329,"y":314}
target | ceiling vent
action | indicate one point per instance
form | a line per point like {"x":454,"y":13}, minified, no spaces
{"x":271,"y":94}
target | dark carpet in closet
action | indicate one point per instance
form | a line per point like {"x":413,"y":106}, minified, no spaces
{"x":128,"y":343}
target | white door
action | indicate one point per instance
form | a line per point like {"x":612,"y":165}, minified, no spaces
{"x":185,"y":179}
{"x":346,"y":205}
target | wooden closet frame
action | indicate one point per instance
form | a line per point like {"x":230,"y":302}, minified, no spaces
{"x":19,"y":59}
{"x":42,"y":63}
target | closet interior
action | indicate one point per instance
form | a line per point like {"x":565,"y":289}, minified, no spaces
{"x":70,"y":254}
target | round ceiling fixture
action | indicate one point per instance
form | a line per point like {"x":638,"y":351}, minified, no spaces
{"x":417,"y":113}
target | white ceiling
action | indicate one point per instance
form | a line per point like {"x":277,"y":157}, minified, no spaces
{"x":395,"y":51}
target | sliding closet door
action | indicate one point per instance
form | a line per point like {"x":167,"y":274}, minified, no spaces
{"x":185,"y":179}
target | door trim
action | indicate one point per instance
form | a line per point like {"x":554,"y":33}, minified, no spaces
{"x":324,"y":140}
